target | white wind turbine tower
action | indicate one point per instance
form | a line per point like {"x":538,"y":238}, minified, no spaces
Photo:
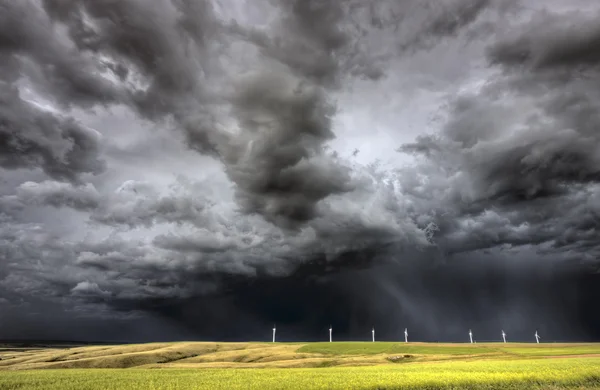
{"x":330,"y":329}
{"x":274,"y":329}
{"x":405,"y":335}
{"x":504,"y":336}
{"x":471,"y":336}
{"x":537,"y":337}
{"x":373,"y":334}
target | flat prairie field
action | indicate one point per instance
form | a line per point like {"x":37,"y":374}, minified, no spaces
{"x":343,"y":365}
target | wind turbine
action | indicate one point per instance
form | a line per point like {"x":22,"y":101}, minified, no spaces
{"x":330,"y":329}
{"x":471,"y":336}
{"x":537,"y":337}
{"x":405,"y":335}
{"x":373,"y":334}
{"x":504,"y":336}
{"x":274,"y":329}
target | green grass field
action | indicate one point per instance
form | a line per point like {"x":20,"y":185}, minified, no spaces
{"x":378,"y":365}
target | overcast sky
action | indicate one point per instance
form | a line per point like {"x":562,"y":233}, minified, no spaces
{"x":197,"y":169}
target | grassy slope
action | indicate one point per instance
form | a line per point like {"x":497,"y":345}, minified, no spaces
{"x":281,"y":355}
{"x":429,"y":366}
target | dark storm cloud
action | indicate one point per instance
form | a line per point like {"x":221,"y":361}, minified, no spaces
{"x":163,"y":62}
{"x":31,"y":46}
{"x":220,"y":249}
{"x":170,"y":52}
{"x":162,"y":54}
{"x":160,"y":43}
{"x":419,"y":25}
{"x":514,"y":166}
{"x":551,"y":41}
{"x":307,"y":38}
{"x":285,"y":114}
{"x":281,"y":170}
{"x":520,"y":157}
{"x":31,"y":137}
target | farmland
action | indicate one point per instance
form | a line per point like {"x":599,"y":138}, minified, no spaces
{"x":352,"y":365}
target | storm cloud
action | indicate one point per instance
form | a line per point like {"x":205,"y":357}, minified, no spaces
{"x":34,"y":138}
{"x":198,"y":164}
{"x":524,"y":148}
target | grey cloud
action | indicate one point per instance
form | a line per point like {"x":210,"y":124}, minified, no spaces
{"x":33,"y":48}
{"x":282,"y":133}
{"x":133,"y":204}
{"x":519,"y":158}
{"x":86,"y":288}
{"x":195,"y":260}
{"x":317,"y":40}
{"x":422,"y":25}
{"x":462,"y":14}
{"x":551,"y":41}
{"x":198,"y":243}
{"x":57,"y":194}
{"x":9,"y":205}
{"x":166,"y":62}
{"x":164,"y":52}
{"x":161,"y":41}
{"x":546,"y":156}
{"x":280,"y":168}
{"x":172,"y":54}
{"x":320,"y":44}
{"x":284,"y":111}
{"x":562,"y":144}
{"x":31,"y":137}
{"x":132,"y":271}
{"x":139,"y":204}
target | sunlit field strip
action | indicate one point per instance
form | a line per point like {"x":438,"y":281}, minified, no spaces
{"x":580,"y":373}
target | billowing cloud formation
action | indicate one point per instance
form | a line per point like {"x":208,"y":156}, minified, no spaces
{"x":34,"y":138}
{"x":34,"y":48}
{"x":236,"y":195}
{"x":280,"y":169}
{"x":525,"y":147}
{"x":58,"y":195}
{"x":550,"y":41}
